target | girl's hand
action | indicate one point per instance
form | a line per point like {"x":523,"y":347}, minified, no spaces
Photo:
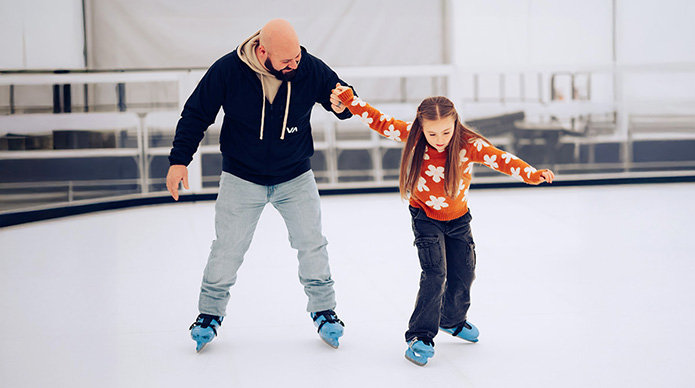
{"x":339,"y":89}
{"x":336,"y":104}
{"x":547,"y":176}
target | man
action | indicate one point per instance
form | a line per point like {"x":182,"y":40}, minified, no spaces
{"x":267,"y":88}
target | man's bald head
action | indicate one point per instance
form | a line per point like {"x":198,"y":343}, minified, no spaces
{"x":278,"y":35}
{"x":279,"y":49}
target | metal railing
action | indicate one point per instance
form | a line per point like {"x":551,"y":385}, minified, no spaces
{"x":591,"y":124}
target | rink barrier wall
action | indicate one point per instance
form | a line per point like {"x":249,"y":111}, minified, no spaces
{"x":23,"y":217}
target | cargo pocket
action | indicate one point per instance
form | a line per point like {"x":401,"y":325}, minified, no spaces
{"x":429,"y":251}
{"x":470,"y":257}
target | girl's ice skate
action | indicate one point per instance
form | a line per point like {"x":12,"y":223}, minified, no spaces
{"x":204,"y":329}
{"x":330,"y":327}
{"x":419,"y":351}
{"x":466,"y":331}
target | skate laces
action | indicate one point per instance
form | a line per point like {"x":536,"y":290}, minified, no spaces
{"x":425,"y":341}
{"x":205,"y":321}
{"x":460,"y":328}
{"x":329,"y":316}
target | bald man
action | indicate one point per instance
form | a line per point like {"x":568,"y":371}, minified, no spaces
{"x":267,"y":88}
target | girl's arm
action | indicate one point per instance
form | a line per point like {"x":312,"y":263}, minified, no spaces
{"x":504,"y":162}
{"x":384,"y":124}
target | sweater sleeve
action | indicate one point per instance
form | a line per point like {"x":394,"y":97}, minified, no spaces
{"x":384,"y":124}
{"x":482,"y":152}
{"x":198,"y":114}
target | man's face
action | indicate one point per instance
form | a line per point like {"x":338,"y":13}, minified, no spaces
{"x":283,"y":69}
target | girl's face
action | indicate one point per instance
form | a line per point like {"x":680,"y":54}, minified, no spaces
{"x":438,"y":132}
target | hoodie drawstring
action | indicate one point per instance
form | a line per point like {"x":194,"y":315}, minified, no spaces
{"x":262,"y":110}
{"x":287,"y":110}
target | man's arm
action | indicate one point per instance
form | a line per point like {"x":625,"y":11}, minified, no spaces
{"x":329,"y":79}
{"x":198,"y":114}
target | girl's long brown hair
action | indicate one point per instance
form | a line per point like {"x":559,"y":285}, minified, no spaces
{"x":430,"y":109}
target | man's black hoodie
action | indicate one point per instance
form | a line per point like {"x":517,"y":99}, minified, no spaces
{"x":261,"y":154}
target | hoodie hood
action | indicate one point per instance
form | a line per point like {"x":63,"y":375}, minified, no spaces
{"x":269,"y":83}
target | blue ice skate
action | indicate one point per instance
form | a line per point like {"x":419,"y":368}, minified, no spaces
{"x":466,"y":331}
{"x":419,"y":351}
{"x":330,"y":327}
{"x":204,"y":329}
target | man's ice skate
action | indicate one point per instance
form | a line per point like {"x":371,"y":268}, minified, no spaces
{"x":204,"y":329}
{"x":466,"y":331}
{"x":330,"y":327}
{"x":419,"y":351}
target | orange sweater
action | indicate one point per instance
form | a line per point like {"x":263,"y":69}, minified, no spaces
{"x":430,"y":194}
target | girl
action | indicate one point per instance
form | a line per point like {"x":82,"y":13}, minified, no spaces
{"x":435,"y":175}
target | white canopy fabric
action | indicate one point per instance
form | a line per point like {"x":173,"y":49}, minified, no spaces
{"x":123,"y":34}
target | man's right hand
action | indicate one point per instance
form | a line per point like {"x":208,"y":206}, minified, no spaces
{"x":176,"y":174}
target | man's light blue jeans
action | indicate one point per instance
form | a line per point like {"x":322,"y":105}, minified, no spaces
{"x":237,"y":210}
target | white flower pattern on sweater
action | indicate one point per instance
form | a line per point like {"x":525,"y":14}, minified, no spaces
{"x":437,"y":203}
{"x":529,"y":170}
{"x":392,"y":133}
{"x":508,"y":157}
{"x":491,"y":161}
{"x":422,"y":184}
{"x":462,"y":156}
{"x":365,"y":118}
{"x":480,"y":143}
{"x":437,"y":173}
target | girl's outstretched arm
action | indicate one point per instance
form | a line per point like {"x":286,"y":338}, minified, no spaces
{"x":480,"y":151}
{"x":386,"y":125}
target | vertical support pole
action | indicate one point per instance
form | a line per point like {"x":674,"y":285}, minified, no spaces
{"x":67,"y":98}
{"x":522,"y":87}
{"x":143,"y":154}
{"x":120,"y":90}
{"x":503,"y":88}
{"x":86,"y":97}
{"x":12,"y":110}
{"x":56,"y":99}
{"x":404,"y":89}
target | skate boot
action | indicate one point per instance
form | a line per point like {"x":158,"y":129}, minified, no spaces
{"x":330,"y":327}
{"x":419,"y":351}
{"x":466,"y":331}
{"x":204,"y":329}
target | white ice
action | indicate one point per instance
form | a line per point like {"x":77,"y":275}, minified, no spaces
{"x":576,"y":287}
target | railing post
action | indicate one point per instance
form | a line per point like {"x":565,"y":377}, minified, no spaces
{"x":120,"y":90}
{"x":143,"y":154}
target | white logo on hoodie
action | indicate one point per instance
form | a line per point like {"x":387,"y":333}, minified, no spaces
{"x":291,"y":130}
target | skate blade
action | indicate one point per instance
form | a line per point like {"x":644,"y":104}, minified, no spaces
{"x":199,"y":348}
{"x":414,"y":361}
{"x":329,"y":343}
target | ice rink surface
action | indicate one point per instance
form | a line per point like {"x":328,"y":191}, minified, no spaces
{"x":576,"y":287}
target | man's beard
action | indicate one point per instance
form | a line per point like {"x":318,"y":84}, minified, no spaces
{"x":278,"y":73}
